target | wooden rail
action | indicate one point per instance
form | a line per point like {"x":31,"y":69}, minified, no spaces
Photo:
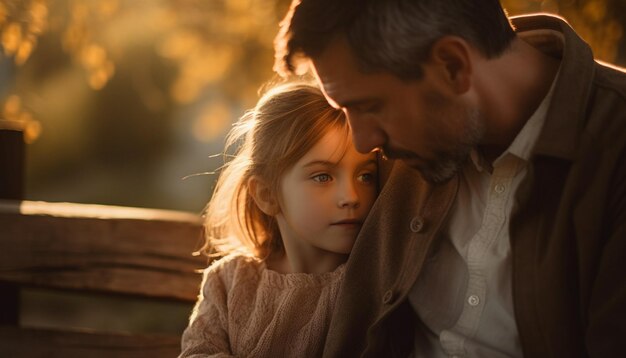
{"x":46,"y":343}
{"x":105,"y":249}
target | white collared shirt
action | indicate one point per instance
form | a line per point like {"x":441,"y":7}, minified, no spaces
{"x":464,"y":294}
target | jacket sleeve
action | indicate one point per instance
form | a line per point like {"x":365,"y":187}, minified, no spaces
{"x":207,"y":332}
{"x":607,"y":313}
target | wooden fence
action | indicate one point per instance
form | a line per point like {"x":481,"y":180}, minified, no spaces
{"x":102,"y":249}
{"x":90,"y":248}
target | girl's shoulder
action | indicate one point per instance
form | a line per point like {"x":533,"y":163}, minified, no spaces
{"x":301,"y":280}
{"x":236,"y":268}
{"x":235,"y":261}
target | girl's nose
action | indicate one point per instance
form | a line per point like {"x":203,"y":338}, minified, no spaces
{"x":348,"y":197}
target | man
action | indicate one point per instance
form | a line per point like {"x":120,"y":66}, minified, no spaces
{"x":501,"y":229}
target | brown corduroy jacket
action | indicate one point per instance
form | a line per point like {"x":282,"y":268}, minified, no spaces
{"x":568,"y":230}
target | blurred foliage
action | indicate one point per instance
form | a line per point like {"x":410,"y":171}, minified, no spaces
{"x":118,"y":85}
{"x":20,"y":24}
{"x":132,"y":95}
{"x":223,"y":43}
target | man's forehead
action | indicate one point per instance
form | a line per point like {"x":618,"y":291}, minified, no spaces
{"x":335,"y":70}
{"x":325,"y":84}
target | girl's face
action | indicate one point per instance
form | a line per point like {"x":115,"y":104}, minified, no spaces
{"x":326,"y":196}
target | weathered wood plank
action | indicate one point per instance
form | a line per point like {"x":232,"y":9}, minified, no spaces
{"x":35,"y":343}
{"x":135,"y":251}
{"x":43,"y":208}
{"x":12,"y":154}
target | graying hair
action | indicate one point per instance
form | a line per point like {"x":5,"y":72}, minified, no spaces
{"x":390,"y":35}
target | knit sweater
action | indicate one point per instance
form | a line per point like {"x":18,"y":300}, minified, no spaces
{"x":247,"y":310}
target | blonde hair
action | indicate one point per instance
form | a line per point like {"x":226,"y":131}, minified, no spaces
{"x":286,"y":123}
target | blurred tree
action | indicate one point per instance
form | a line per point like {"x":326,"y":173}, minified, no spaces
{"x":131,"y":96}
{"x":161,"y":73}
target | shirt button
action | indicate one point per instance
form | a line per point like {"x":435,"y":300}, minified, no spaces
{"x":388,"y":297}
{"x":500,"y":188}
{"x":473,"y":300}
{"x":417,"y":224}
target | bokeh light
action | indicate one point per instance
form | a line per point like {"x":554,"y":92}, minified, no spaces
{"x":122,"y":99}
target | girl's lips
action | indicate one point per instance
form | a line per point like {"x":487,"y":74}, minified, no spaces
{"x":348,"y":222}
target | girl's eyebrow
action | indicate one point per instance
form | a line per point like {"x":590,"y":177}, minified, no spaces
{"x":325,"y":163}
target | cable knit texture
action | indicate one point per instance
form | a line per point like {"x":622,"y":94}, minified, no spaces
{"x":246,"y":310}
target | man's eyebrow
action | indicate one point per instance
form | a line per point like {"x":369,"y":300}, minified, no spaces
{"x":370,"y":161}
{"x":351,"y":103}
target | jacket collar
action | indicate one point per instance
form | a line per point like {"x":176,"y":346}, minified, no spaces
{"x":566,"y":113}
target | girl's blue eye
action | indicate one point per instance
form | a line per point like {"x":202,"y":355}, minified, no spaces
{"x":322,"y":178}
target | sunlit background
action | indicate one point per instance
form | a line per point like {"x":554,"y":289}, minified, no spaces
{"x":123,"y":99}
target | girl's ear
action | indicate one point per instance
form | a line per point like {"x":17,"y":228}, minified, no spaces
{"x":262,"y":195}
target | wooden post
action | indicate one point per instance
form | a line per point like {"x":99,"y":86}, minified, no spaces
{"x":12,"y":159}
{"x":10,"y":304}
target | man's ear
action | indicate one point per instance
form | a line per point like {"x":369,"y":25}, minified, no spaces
{"x":263,"y":197}
{"x":452,"y":55}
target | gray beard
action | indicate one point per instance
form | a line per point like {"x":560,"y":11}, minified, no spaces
{"x":448,"y":163}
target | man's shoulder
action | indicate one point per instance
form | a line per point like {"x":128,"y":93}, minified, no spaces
{"x":607,"y":105}
{"x":611,"y":78}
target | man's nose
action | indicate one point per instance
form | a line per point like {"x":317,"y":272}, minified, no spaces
{"x":366,"y":135}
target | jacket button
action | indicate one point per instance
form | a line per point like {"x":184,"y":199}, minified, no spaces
{"x":417,"y":224}
{"x":387,"y":297}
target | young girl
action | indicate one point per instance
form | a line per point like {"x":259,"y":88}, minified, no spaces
{"x":286,"y":212}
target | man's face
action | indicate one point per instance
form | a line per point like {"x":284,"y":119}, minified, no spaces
{"x":421,"y":122}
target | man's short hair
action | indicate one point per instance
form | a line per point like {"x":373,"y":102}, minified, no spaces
{"x":389,"y":35}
